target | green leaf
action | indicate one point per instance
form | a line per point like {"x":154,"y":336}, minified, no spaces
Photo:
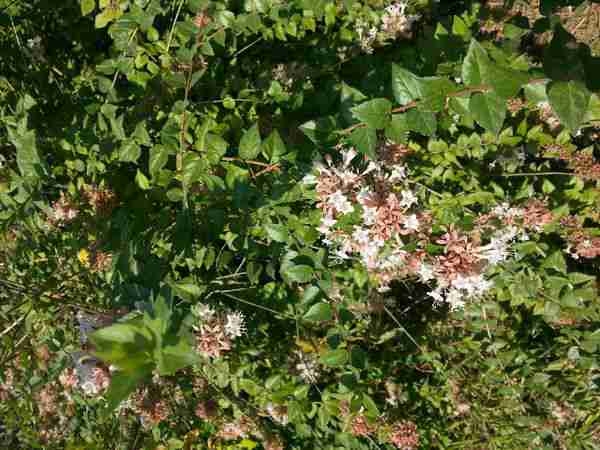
{"x":375,"y":113}
{"x":432,"y":91}
{"x":556,"y":261}
{"x":130,"y":151}
{"x":321,"y":130}
{"x":216,"y":147}
{"x":348,"y":98}
{"x":124,"y":383}
{"x":479,"y":70}
{"x":298,"y":274}
{"x":274,"y":147}
{"x":159,"y":155}
{"x":489,"y":110}
{"x":87,"y":6}
{"x":250,"y":143}
{"x":28,"y":158}
{"x":419,"y":121}
{"x":278,"y":233}
{"x":142,"y":181}
{"x":335,"y":358}
{"x":319,"y":312}
{"x":106,"y":16}
{"x":569,"y":100}
{"x":365,"y":140}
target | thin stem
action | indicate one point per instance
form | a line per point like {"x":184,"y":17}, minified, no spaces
{"x":259,"y":306}
{"x":534,"y":174}
{"x":401,"y":327}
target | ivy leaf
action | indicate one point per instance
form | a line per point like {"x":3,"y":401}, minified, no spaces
{"x":300,"y":273}
{"x":319,"y":312}
{"x":570,"y":101}
{"x":432,"y":91}
{"x":375,"y":113}
{"x":365,"y":140}
{"x":489,"y":110}
{"x":250,"y":143}
{"x":419,"y":121}
{"x":479,"y":70}
{"x":87,"y":6}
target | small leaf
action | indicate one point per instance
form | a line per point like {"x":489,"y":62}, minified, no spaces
{"x":556,"y":261}
{"x":489,"y":110}
{"x":319,"y":312}
{"x":375,"y":113}
{"x":87,"y":6}
{"x":250,"y":143}
{"x":365,"y":140}
{"x":569,"y":100}
{"x":274,"y":147}
{"x":142,"y":181}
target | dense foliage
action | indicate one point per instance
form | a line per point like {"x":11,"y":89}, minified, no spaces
{"x":299,"y":225}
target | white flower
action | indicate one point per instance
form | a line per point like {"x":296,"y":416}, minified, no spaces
{"x":473,"y":285}
{"x":455,"y":299}
{"x":234,"y":325}
{"x":203,"y":312}
{"x":326,"y":224}
{"x":426,"y":272}
{"x":398,"y":173}
{"x":361,"y":235}
{"x":437,"y":294}
{"x":307,"y":368}
{"x":411,"y":222}
{"x":340,"y":202}
{"x":309,"y":179}
{"x":408,"y":199}
{"x":369,"y":215}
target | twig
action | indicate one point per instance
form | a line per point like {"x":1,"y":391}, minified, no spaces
{"x":402,"y":328}
{"x":534,"y":174}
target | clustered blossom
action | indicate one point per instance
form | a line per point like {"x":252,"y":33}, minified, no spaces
{"x":404,"y":435}
{"x":63,"y":211}
{"x":548,"y":116}
{"x":287,"y":74}
{"x":360,"y":426}
{"x":102,"y":201}
{"x":582,"y":164}
{"x":395,"y":23}
{"x":236,"y":430}
{"x":392,"y":217}
{"x":581,"y":243}
{"x":150,"y":408}
{"x":307,"y":367}
{"x":215,"y":331}
{"x":206,"y":410}
{"x":278,"y":413}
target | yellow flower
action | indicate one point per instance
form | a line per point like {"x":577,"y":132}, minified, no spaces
{"x":84,"y":257}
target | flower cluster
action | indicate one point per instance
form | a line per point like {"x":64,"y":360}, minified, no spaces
{"x":581,"y":243}
{"x":102,"y":201}
{"x":404,"y":435}
{"x":216,"y":331}
{"x":582,"y":164}
{"x":63,"y":211}
{"x":395,"y":23}
{"x":374,"y":215}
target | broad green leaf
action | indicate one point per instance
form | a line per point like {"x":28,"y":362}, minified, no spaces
{"x":479,"y":70}
{"x":277,"y":232}
{"x":216,"y":147}
{"x":569,"y":100}
{"x":299,"y":273}
{"x":28,"y":158}
{"x":130,"y":151}
{"x":124,"y":383}
{"x":194,"y":168}
{"x":431,"y":91}
{"x":489,"y":110}
{"x":419,"y":121}
{"x":87,"y":6}
{"x":319,"y":312}
{"x":106,"y":16}
{"x":159,"y":155}
{"x":556,"y":261}
{"x":274,"y":147}
{"x":176,"y":357}
{"x":250,"y":143}
{"x":348,"y":98}
{"x":365,"y":140}
{"x":321,"y":130}
{"x":335,"y":358}
{"x":375,"y":113}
